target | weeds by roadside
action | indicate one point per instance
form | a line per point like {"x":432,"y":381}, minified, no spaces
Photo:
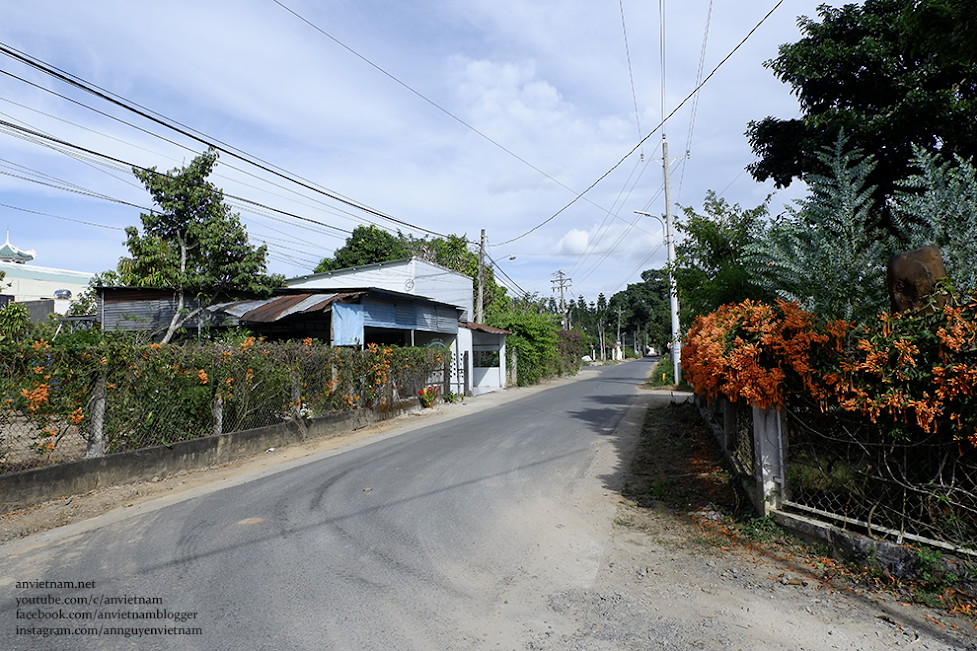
{"x":677,"y":467}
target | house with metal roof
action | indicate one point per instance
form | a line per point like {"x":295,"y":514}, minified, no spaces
{"x":478,"y":351}
{"x":405,"y":303}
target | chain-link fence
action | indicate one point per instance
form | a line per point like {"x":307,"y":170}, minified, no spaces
{"x":848,"y":471}
{"x":58,"y":405}
{"x":844,"y":470}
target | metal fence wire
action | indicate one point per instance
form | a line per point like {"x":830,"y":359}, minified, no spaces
{"x":158,"y":395}
{"x":849,"y":471}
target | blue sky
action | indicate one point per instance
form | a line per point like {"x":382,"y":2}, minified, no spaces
{"x":449,"y":117}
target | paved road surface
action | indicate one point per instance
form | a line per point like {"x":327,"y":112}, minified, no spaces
{"x":446,"y":536}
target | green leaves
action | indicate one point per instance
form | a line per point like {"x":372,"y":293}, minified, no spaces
{"x":711,"y":267}
{"x":193,"y":244}
{"x":826,"y":254}
{"x":882,"y":75}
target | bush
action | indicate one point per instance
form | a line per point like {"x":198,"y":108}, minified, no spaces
{"x":913,"y":370}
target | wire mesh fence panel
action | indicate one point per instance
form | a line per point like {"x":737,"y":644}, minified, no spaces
{"x":846,"y":469}
{"x":24,"y":444}
{"x":742,"y":450}
{"x":158,"y":395}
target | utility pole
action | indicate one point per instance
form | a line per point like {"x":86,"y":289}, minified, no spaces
{"x":479,"y":316}
{"x":673,"y":290}
{"x":670,"y":245}
{"x":619,"y":326}
{"x":562,"y":283}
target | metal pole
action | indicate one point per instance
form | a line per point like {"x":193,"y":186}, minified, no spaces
{"x":481,"y":278}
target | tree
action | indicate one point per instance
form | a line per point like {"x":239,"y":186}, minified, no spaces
{"x":865,"y":70}
{"x":366,"y":245}
{"x":711,"y":266}
{"x":943,"y":27}
{"x":194,"y":244}
{"x":939,"y":206}
{"x":826,"y":254}
{"x":643,"y":309}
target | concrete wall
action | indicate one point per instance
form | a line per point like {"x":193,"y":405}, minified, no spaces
{"x":411,"y":276}
{"x":31,"y":283}
{"x":28,"y":487}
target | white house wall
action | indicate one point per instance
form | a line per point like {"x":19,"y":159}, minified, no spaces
{"x":414,"y":276}
{"x":30,"y":283}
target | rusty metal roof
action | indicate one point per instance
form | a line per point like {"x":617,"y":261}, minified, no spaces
{"x":269,"y":310}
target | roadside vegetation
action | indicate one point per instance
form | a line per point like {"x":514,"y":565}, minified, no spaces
{"x":677,"y":468}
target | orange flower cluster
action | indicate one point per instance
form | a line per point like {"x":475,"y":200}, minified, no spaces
{"x":36,"y":396}
{"x":911,"y":368}
{"x":749,"y":349}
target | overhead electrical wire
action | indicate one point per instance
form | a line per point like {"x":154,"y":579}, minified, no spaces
{"x":650,"y":134}
{"x":695,"y":102}
{"x":195,"y":135}
{"x":338,"y":212}
{"x":430,"y":101}
{"x":627,"y":52}
{"x":9,"y":125}
{"x":67,"y":219}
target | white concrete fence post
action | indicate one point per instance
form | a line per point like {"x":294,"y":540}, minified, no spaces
{"x":768,"y":457}
{"x":96,"y":427}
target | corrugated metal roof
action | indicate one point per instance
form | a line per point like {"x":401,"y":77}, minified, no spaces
{"x":273,"y":309}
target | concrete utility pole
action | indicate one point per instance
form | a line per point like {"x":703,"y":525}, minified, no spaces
{"x":481,"y":279}
{"x":670,"y":244}
{"x":562,"y":283}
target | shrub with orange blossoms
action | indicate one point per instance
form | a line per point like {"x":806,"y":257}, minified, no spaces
{"x":757,"y":352}
{"x":906,"y":370}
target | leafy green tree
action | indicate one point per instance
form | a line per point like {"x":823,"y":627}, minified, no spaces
{"x":534,"y":338}
{"x":711,"y":266}
{"x":367,"y":245}
{"x":858,"y":71}
{"x":194,"y":244}
{"x":939,"y":206}
{"x":15,"y":322}
{"x":642,"y":309}
{"x":944,"y":28}
{"x":826,"y":254}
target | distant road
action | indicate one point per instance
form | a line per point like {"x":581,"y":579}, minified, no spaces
{"x":447,"y":536}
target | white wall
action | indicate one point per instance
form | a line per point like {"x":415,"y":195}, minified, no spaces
{"x":413,"y":276}
{"x":27,"y":282}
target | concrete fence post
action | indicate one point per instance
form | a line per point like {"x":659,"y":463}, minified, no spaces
{"x":768,"y":458}
{"x":218,"y":413}
{"x":96,"y":426}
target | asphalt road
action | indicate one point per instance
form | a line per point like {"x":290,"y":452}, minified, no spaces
{"x":446,"y":536}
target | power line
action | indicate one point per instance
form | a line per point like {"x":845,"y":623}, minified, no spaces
{"x":695,"y":102}
{"x":64,"y":143}
{"x":627,"y":52}
{"x":653,"y":132}
{"x":431,"y":102}
{"x":194,"y":134}
{"x":67,"y":219}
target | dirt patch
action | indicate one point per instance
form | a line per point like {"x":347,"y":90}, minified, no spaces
{"x":687,"y":553}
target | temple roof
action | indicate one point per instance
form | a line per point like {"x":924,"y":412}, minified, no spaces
{"x":10,"y":253}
